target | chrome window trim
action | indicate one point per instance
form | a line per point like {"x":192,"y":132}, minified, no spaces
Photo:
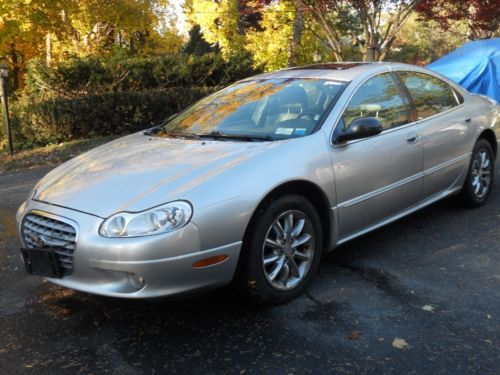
{"x":459,"y":106}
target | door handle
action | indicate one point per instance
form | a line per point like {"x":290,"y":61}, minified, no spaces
{"x":412,"y":138}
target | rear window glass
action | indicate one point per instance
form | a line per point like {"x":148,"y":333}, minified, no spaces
{"x":430,"y":95}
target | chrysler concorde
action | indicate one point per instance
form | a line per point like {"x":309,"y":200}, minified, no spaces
{"x":252,"y":184}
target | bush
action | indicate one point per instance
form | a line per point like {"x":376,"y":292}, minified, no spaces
{"x":86,"y":76}
{"x":75,"y":77}
{"x":63,"y":119}
{"x":119,"y":94}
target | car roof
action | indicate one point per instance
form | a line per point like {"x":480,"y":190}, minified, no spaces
{"x":344,"y":71}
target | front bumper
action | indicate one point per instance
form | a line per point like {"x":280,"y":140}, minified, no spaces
{"x":104,"y":265}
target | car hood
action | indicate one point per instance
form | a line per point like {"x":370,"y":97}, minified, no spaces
{"x":138,"y":172}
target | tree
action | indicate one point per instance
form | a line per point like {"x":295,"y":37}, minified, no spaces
{"x":482,"y":16}
{"x":196,"y":44}
{"x":58,"y":29}
{"x":269,"y":43}
{"x":225,"y":23}
{"x":220,"y":23}
{"x":27,"y":29}
{"x":297,"y":30}
{"x":373,"y":24}
{"x":419,"y":42}
{"x":282,"y":38}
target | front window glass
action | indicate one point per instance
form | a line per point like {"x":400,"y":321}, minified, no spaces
{"x":430,"y":95}
{"x":381,"y":98}
{"x":270,"y":108}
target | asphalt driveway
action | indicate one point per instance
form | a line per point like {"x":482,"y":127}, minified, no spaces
{"x":419,"y":296}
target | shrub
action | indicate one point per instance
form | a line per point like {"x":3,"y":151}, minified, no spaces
{"x":118,"y":94}
{"x":75,"y":77}
{"x":86,"y":76}
{"x":63,"y":119}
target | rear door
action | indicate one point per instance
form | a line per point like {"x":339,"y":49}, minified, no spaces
{"x":378,"y":177}
{"x":445,"y":128}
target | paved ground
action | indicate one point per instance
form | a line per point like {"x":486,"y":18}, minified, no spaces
{"x":432,"y":280}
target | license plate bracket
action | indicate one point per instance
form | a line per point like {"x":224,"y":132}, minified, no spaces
{"x":41,"y":262}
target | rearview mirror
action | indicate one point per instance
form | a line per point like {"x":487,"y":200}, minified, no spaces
{"x":362,"y":127}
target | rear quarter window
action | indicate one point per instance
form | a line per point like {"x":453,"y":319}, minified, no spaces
{"x":430,"y":94}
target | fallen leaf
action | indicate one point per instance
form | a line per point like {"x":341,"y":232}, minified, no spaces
{"x":428,"y":308}
{"x":355,"y":335}
{"x":400,"y":344}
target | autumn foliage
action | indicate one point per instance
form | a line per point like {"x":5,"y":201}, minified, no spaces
{"x":482,"y":16}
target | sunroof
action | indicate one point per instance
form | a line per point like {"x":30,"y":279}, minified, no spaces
{"x":329,"y":66}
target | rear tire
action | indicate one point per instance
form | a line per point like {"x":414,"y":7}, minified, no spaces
{"x":281,"y":250}
{"x":480,"y":176}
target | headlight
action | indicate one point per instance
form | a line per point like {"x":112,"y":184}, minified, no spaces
{"x":161,"y":219}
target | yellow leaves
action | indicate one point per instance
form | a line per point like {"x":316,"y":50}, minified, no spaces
{"x":270,"y":46}
{"x":219,"y":23}
{"x":73,"y":24}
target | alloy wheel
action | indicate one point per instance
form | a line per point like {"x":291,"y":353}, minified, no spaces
{"x":288,"y":250}
{"x":481,"y":173}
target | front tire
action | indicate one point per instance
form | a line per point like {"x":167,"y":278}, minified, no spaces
{"x":477,"y":186}
{"x":281,"y":251}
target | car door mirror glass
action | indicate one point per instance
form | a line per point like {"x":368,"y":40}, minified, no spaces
{"x":361,"y":127}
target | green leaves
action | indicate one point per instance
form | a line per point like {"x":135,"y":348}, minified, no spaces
{"x":82,"y":76}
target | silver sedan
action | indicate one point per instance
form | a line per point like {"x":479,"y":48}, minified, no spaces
{"x":253,"y":184}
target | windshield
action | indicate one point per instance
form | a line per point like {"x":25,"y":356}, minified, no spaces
{"x":267,"y":109}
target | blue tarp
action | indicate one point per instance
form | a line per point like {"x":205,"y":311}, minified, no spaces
{"x":475,"y":66}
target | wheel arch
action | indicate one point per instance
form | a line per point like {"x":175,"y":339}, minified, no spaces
{"x":489,"y":135}
{"x":314,"y":194}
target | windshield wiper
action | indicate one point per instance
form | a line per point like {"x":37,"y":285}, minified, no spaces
{"x":238,"y":137}
{"x":159,"y":132}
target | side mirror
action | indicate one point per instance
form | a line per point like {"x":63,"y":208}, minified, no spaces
{"x":362,"y":127}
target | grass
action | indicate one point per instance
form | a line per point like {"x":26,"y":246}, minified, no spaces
{"x":50,"y":155}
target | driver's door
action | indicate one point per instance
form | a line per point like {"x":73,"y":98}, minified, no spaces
{"x":380,"y":176}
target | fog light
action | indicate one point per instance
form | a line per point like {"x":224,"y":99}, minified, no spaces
{"x":136,"y":280}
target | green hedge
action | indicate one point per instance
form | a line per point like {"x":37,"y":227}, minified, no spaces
{"x":63,"y":119}
{"x":117,"y":94}
{"x":83,"y":76}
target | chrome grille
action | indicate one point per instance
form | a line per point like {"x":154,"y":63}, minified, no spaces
{"x":44,"y":232}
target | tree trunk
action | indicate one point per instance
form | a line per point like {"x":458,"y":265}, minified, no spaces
{"x":318,"y":9}
{"x":371,"y":54}
{"x":298,"y":26}
{"x":48,"y":49}
{"x":132,"y":46}
{"x":333,"y":41}
{"x":15,"y":67}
